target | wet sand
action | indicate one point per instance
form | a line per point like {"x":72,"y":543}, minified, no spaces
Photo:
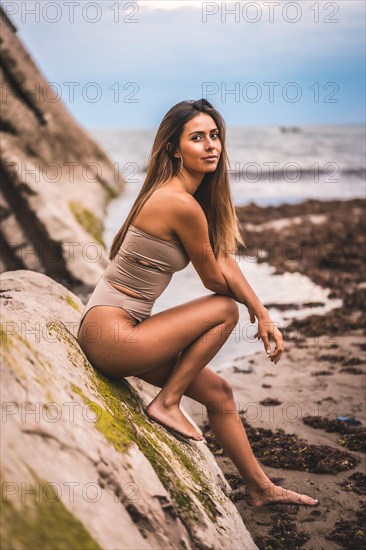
{"x":290,"y":409}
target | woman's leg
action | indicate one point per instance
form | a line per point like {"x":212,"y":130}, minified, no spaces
{"x":215,"y":393}
{"x":193,"y":331}
{"x":165,"y":406}
{"x":118,"y":348}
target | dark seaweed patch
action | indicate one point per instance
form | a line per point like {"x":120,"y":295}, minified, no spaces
{"x":281,"y":450}
{"x":355,"y":483}
{"x":351,"y":370}
{"x":324,"y":423}
{"x":283,"y":534}
{"x":353,"y":437}
{"x":355,"y":441}
{"x":351,"y":534}
{"x":270,"y":401}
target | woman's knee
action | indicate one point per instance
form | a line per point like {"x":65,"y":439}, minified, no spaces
{"x":235,"y":310}
{"x":221,"y":389}
{"x":231,"y":308}
{"x":210,"y":389}
{"x":220,"y":394}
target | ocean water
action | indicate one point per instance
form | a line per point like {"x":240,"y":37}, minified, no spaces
{"x":268,"y":166}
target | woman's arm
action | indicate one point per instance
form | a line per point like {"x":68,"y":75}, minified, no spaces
{"x":235,"y":285}
{"x":238,"y":287}
{"x":222,"y":276}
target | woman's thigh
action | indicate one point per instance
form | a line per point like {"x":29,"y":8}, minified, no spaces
{"x":120,"y":347}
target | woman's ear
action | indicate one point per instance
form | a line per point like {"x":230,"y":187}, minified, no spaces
{"x":169,"y":149}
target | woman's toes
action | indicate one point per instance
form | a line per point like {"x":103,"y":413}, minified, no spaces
{"x":278,"y":495}
{"x":296,"y":498}
{"x":308,"y":500}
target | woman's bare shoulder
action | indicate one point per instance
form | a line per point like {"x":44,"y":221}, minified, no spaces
{"x":171,"y":203}
{"x":158,"y":214}
{"x":173,"y":197}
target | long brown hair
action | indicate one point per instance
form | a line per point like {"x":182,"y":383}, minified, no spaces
{"x":213,"y":193}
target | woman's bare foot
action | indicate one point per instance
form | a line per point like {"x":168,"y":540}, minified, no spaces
{"x":274,"y":494}
{"x":173,"y":418}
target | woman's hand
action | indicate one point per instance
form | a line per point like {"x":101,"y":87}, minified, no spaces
{"x":266,"y":330}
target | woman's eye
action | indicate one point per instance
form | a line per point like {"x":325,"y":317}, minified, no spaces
{"x":214,"y":134}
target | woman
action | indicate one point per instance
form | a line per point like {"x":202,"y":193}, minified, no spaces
{"x":184,"y":212}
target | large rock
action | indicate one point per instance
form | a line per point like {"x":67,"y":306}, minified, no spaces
{"x":82,"y":465}
{"x":56,"y":181}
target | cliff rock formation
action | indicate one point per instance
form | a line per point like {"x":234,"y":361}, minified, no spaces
{"x":55,"y":180}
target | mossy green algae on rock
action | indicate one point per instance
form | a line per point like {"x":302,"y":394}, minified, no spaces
{"x":87,"y":220}
{"x":124,"y":423}
{"x":45,"y":524}
{"x":71,"y":302}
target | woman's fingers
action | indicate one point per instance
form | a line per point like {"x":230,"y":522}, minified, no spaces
{"x":275,"y":355}
{"x":267,"y":345}
{"x":267,"y":332}
{"x":251,"y":315}
{"x":277,"y":352}
{"x":264,"y":335}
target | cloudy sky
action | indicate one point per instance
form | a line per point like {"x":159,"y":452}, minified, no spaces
{"x":124,"y":64}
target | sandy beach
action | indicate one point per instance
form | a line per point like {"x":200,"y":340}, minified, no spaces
{"x":291,"y":409}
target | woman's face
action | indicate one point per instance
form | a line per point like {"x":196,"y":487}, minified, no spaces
{"x":199,"y":140}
